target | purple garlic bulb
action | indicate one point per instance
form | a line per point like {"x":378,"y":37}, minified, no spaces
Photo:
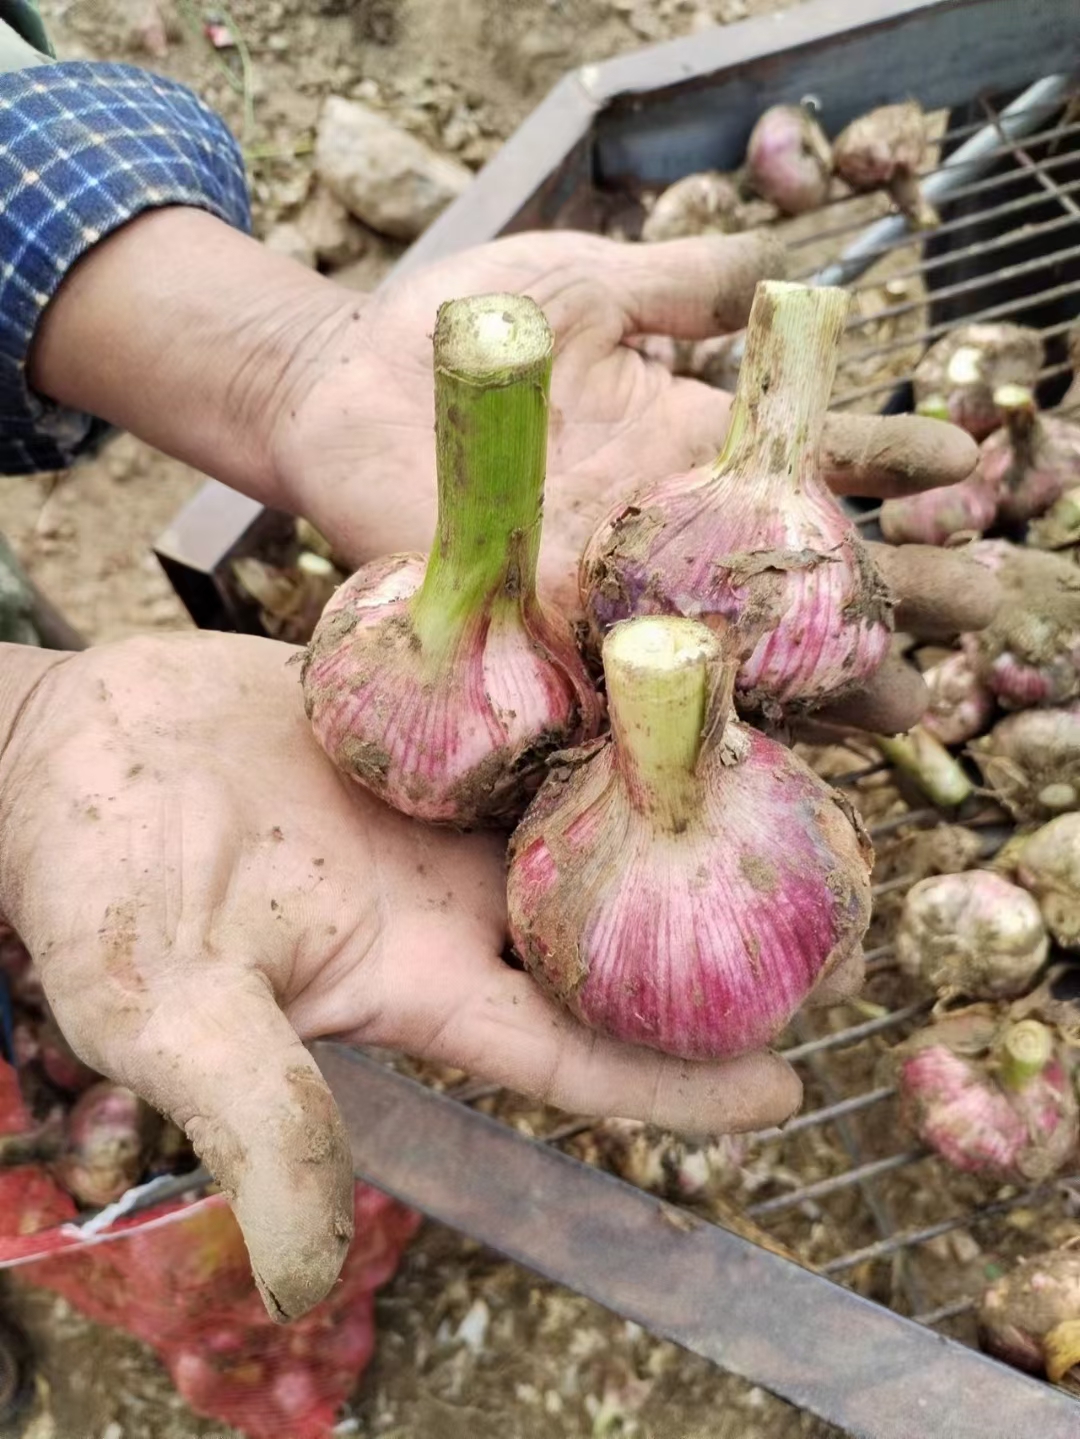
{"x":1032,"y":460}
{"x":883,"y":150}
{"x":788,"y":160}
{"x":959,"y":373}
{"x":1030,"y":1317}
{"x":960,"y":704}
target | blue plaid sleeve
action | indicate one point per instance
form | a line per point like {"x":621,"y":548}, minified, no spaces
{"x":85,"y":147}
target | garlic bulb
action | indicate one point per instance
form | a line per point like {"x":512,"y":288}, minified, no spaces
{"x":443,"y":686}
{"x":960,"y":704}
{"x":788,"y":160}
{"x":756,"y":546}
{"x":991,"y":1100}
{"x":1047,"y":863}
{"x":1032,"y":460}
{"x":1059,"y":527}
{"x":1029,"y":654}
{"x":972,"y":933}
{"x":959,"y":373}
{"x":884,"y":149}
{"x":1030,"y":1317}
{"x":687,"y":882}
{"x":936,"y":516}
{"x":1031,"y":761}
{"x":702,"y":204}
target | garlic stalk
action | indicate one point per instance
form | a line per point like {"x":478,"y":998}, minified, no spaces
{"x":685,"y":883}
{"x":443,"y":686}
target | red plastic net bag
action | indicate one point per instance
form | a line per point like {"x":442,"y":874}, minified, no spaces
{"x":178,"y":1278}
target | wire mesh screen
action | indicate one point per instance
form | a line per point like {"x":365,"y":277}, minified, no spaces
{"x":842,"y":1188}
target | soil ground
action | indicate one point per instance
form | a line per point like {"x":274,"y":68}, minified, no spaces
{"x":535,"y":1362}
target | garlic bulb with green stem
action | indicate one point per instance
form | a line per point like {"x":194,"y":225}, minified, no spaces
{"x":756,"y":545}
{"x":884,"y":150}
{"x":444,"y":685}
{"x":1032,"y":460}
{"x":686,"y":883}
{"x":957,"y":377}
{"x":990,"y":1097}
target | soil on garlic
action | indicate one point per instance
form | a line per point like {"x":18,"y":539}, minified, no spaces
{"x":462,"y":75}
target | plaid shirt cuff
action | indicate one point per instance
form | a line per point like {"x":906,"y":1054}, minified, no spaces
{"x":85,"y":147}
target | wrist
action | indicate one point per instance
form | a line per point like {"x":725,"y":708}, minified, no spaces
{"x":192,"y":336}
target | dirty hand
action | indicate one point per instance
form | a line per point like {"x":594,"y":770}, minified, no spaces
{"x":356,"y":452}
{"x":320,"y":401}
{"x":201,"y":891}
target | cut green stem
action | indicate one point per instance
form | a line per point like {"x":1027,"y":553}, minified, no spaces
{"x":928,"y":764}
{"x":493,"y":357}
{"x":1026,"y":1049}
{"x":785,"y":381}
{"x":662,"y":675}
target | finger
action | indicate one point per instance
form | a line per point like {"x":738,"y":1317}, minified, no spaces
{"x":223,"y":1062}
{"x":844,"y":982}
{"x":691,"y":289}
{"x":939,"y":593}
{"x":891,"y":701}
{"x":495,"y":1023}
{"x":881,"y":456}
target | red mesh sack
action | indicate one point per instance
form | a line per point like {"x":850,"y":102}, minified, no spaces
{"x":178,"y":1278}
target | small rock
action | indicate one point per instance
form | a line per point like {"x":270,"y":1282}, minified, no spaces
{"x":472,"y":1331}
{"x":288,"y":239}
{"x":385,"y":176}
{"x":329,"y":229}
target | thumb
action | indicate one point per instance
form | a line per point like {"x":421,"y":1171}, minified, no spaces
{"x":221,"y":1060}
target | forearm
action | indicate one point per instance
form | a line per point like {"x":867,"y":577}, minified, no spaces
{"x":192,"y":336}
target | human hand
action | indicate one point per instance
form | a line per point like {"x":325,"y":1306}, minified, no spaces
{"x":202,"y":891}
{"x":355,"y":451}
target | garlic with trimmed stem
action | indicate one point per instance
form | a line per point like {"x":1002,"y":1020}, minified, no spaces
{"x":990,"y":1099}
{"x":1031,"y":760}
{"x":1030,"y":1317}
{"x":1029,"y":654}
{"x":109,"y":1134}
{"x":788,"y":159}
{"x":756,"y":545}
{"x":957,"y":377}
{"x":1047,"y":864}
{"x":687,"y":882}
{"x":973,"y":934}
{"x":1032,"y":460}
{"x":443,"y":686}
{"x":883,"y":150}
{"x":960,"y":704}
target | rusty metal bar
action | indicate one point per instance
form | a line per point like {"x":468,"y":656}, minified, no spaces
{"x":906,"y":1238}
{"x":824,"y":1187}
{"x":857,"y":1032}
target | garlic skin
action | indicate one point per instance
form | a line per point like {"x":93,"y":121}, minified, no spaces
{"x":685,"y":883}
{"x":703,"y":204}
{"x":1031,"y":761}
{"x":960,"y":704}
{"x":458,"y":738}
{"x":442,"y":686}
{"x":1030,"y":1317}
{"x":788,"y":159}
{"x":959,"y":373}
{"x":1029,"y":654}
{"x":1047,"y":864}
{"x":1059,"y":527}
{"x":885,"y":149}
{"x":1032,"y":460}
{"x":973,"y":934}
{"x":990,"y":1099}
{"x":666,"y":1164}
{"x":936,"y":516}
{"x":756,"y":546}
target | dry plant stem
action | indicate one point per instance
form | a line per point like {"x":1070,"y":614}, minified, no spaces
{"x":493,"y":359}
{"x":927,"y":762}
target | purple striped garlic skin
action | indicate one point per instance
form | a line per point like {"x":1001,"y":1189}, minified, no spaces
{"x":950,"y":1104}
{"x":960,"y":704}
{"x":935,"y":516}
{"x":689,"y":905}
{"x":456,"y":738}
